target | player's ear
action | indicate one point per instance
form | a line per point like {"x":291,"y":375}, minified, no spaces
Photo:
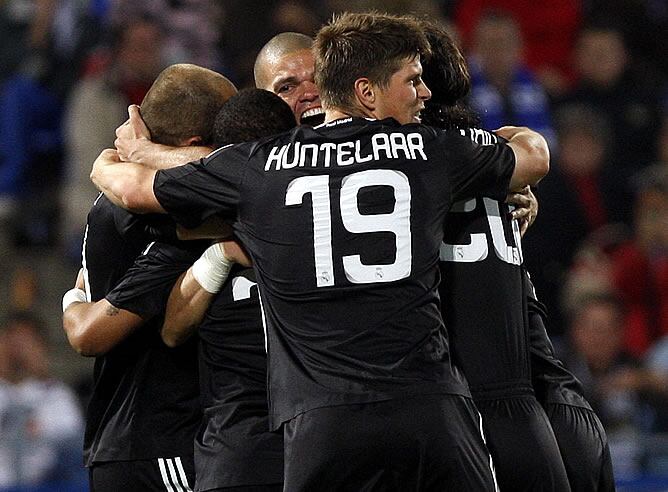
{"x":365,"y":93}
{"x":195,"y":140}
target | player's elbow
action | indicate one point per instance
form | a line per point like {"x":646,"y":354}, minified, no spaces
{"x":83,"y":343}
{"x":532,"y":160}
{"x":170,"y":339}
{"x":81,"y":336}
{"x":538,"y":153}
{"x":133,"y":200}
{"x":172,"y":336}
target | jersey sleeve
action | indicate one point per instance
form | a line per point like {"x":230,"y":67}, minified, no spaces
{"x":479,"y":164}
{"x":145,"y":227}
{"x":145,"y":287}
{"x":196,"y":191}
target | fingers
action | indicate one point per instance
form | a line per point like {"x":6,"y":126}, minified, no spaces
{"x":521,"y":214}
{"x":137,"y":123}
{"x":519,"y":200}
{"x":79,"y":284}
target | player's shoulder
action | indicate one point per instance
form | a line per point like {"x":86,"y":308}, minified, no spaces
{"x":248,"y":149}
{"x":478,"y":136}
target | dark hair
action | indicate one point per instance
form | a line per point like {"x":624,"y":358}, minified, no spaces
{"x":251,"y":115}
{"x":446,"y":74}
{"x":183,"y":102}
{"x":355,"y":45}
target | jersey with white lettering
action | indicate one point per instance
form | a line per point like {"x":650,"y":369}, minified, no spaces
{"x":145,"y":397}
{"x":233,"y":446}
{"x":482,"y":294}
{"x":344,"y":223}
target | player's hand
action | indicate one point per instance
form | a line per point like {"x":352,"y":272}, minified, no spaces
{"x":133,"y":136}
{"x":526,"y":207}
{"x":107,"y":157}
{"x":235,"y":252}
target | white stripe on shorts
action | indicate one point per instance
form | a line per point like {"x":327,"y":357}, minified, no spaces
{"x":182,"y":474}
{"x":491,"y":462}
{"x":163,"y":473}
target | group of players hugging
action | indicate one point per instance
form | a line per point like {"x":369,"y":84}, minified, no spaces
{"x":335,"y":297}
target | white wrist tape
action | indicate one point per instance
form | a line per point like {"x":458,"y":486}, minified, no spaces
{"x":72,"y":296}
{"x":212,"y":268}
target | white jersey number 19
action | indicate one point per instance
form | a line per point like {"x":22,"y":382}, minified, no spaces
{"x":396,"y":222}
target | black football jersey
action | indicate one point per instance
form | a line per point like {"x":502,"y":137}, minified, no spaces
{"x":482,"y":294}
{"x":344,"y":222}
{"x":234,"y":446}
{"x":145,"y":396}
{"x":553,"y":382}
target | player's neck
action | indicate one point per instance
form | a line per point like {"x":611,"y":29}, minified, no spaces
{"x":332,"y":114}
{"x":335,"y":114}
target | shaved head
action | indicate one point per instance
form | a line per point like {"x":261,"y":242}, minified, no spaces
{"x":277,"y":47}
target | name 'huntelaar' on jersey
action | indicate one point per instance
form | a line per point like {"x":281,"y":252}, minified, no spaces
{"x":383,"y":146}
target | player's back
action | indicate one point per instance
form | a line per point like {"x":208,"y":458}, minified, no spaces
{"x":482,"y":295}
{"x":141,"y":387}
{"x":344,"y":223}
{"x":234,"y":436}
{"x":485,"y":309}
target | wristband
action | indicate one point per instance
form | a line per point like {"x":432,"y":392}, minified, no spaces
{"x":72,"y":296}
{"x":212,"y":268}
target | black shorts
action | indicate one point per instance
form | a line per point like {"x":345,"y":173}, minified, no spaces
{"x":584,"y":447}
{"x":162,"y":474}
{"x":432,"y":442}
{"x":522,"y":444}
{"x":277,"y":487}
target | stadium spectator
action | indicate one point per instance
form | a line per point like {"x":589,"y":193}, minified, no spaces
{"x":580,"y":195}
{"x":594,"y":351}
{"x":43,"y":42}
{"x":97,"y":106}
{"x":40,"y":418}
{"x":548,"y":44}
{"x":505,"y":91}
{"x":607,"y":80}
{"x":192,"y":28}
{"x":640,"y":266}
{"x":656,"y":362}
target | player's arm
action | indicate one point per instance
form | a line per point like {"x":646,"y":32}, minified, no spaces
{"x":532,"y":155}
{"x":94,"y":328}
{"x":195,"y":289}
{"x":133,"y":143}
{"x":214,"y":227}
{"x":127,"y":184}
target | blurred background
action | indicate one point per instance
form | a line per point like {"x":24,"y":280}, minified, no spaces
{"x":591,"y":75}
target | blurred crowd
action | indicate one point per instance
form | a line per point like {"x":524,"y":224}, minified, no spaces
{"x":591,"y":75}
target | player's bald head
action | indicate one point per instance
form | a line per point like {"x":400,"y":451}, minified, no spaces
{"x":183,"y":102}
{"x":277,"y":47}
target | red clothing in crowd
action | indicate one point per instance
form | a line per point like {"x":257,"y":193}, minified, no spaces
{"x":549,"y":28}
{"x":643,"y":287}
